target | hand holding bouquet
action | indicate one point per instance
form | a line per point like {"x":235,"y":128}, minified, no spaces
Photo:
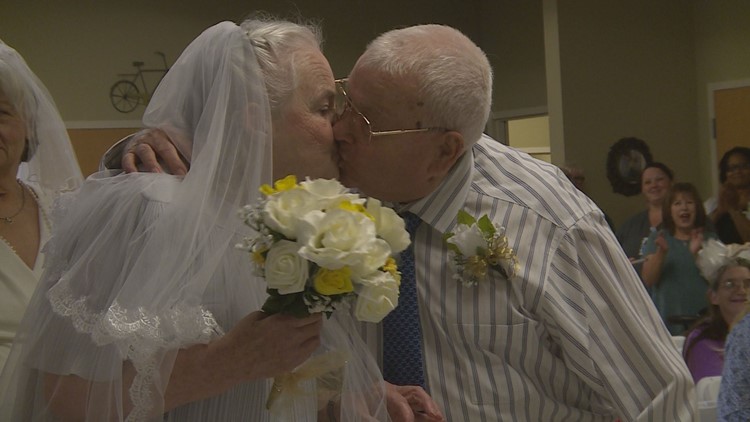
{"x":318,"y":245}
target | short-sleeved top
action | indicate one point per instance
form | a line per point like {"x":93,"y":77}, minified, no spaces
{"x":681,"y":289}
{"x":704,"y":357}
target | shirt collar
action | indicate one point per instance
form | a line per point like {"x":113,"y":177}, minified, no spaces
{"x":440,"y":208}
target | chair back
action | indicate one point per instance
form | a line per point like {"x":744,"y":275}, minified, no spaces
{"x":707,"y":391}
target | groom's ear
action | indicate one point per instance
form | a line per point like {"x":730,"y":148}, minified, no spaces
{"x":450,"y":147}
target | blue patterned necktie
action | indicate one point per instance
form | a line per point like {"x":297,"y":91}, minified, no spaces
{"x":402,"y":333}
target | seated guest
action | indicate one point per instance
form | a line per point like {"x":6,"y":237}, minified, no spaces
{"x":728,"y":269}
{"x":734,"y":395}
{"x":669,"y":269}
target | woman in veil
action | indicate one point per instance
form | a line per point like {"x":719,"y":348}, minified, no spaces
{"x":146,"y":307}
{"x":37,"y":164}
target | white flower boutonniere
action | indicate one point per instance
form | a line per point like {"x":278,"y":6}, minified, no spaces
{"x":478,"y":246}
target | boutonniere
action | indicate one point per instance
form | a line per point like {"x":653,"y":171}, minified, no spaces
{"x":476,"y":247}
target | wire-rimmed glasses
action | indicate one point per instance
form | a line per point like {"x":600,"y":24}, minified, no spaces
{"x":343,"y":104}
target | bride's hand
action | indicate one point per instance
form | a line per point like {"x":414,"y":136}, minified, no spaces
{"x":263,"y":346}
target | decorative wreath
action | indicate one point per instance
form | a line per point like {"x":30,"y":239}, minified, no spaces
{"x":625,"y":161}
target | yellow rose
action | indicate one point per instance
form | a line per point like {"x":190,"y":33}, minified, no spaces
{"x":281,"y":185}
{"x":333,"y":282}
{"x":391,"y":268}
{"x":350,"y":206}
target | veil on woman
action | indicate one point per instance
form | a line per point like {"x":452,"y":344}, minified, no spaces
{"x":52,"y":167}
{"x":144,"y":264}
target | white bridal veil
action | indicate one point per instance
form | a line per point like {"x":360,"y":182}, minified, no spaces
{"x":52,"y":167}
{"x":144,"y":264}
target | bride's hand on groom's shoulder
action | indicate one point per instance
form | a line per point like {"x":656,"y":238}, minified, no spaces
{"x":263,"y":346}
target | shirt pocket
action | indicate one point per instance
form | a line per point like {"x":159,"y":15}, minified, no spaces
{"x":494,"y":359}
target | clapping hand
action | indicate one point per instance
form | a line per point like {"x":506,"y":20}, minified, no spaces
{"x":696,"y":240}
{"x":661,"y":243}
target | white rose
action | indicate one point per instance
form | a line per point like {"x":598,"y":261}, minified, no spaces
{"x":469,"y":239}
{"x":376,"y":297}
{"x":285,"y":269}
{"x":340,"y":238}
{"x":283,"y":210}
{"x":389,"y":225}
{"x":327,"y":193}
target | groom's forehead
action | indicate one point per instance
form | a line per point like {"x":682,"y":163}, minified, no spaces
{"x":379,"y":98}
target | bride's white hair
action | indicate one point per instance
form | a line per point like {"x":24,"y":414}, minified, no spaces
{"x":278,"y":45}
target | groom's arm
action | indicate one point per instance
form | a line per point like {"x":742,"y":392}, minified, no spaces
{"x":149,"y":150}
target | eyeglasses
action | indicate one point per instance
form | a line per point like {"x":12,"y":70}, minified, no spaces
{"x":735,"y":284}
{"x":343,"y":104}
{"x":738,"y":167}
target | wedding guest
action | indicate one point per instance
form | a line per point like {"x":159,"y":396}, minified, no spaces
{"x":734,"y":394}
{"x":669,"y":270}
{"x":728,"y":268}
{"x":147,"y":307}
{"x":729,"y":218}
{"x":656,"y":179}
{"x":37,"y":164}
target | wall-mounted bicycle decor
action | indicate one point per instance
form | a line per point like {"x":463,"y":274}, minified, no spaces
{"x":133,"y":90}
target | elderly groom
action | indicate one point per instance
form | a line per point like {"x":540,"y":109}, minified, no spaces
{"x":573,"y":336}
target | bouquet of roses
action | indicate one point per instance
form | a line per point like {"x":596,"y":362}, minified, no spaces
{"x":317,"y":244}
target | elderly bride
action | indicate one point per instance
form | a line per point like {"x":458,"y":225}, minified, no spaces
{"x":146,"y":308}
{"x":37,"y":164}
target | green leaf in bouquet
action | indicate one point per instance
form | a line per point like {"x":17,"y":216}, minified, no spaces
{"x":291,"y":304}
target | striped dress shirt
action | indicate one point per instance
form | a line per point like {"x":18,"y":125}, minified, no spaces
{"x":573,"y":337}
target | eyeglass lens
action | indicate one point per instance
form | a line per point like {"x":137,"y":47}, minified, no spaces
{"x":736,"y":284}
{"x":738,"y":167}
{"x":344,"y":108}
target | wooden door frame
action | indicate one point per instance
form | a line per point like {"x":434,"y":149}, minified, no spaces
{"x":713,"y":87}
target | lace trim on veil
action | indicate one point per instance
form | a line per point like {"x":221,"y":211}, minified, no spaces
{"x":139,"y":335}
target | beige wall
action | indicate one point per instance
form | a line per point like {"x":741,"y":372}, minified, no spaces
{"x":512,"y":35}
{"x":627,"y":69}
{"x":78,"y":47}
